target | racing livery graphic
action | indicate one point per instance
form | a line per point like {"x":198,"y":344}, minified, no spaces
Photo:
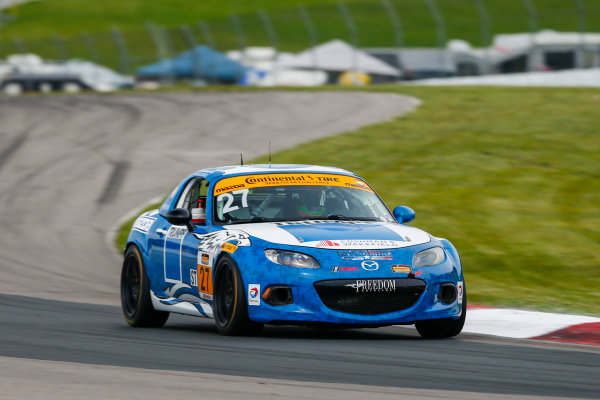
{"x":292,"y":244}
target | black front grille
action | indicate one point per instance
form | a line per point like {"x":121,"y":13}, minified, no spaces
{"x":370,"y":296}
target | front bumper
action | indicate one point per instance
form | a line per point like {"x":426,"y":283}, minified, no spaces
{"x":310,"y":305}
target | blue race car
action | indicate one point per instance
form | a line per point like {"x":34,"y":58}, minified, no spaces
{"x":288,"y":244}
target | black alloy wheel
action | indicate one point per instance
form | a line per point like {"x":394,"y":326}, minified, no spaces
{"x":135,"y":293}
{"x":130,"y":286}
{"x":230,"y":305}
{"x":225,"y":302}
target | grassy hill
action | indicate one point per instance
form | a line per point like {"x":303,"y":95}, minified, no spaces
{"x":511,"y":176}
{"x":39,"y":24}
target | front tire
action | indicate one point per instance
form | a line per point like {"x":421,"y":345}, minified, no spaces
{"x":230,"y":305}
{"x":444,"y":328}
{"x":135,"y":293}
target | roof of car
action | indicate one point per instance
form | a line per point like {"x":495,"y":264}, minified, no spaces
{"x":233,"y":170}
{"x":218,"y":173}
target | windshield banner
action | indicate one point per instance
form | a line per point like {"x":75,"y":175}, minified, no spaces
{"x":262,"y":180}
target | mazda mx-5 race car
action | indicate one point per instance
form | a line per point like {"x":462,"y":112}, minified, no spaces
{"x":288,"y":244}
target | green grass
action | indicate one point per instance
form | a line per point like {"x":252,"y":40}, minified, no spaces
{"x":37,"y":23}
{"x":511,"y":176}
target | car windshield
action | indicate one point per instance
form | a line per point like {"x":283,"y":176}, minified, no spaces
{"x":285,"y":197}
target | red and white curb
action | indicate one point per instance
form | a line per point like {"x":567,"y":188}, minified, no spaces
{"x":521,"y":324}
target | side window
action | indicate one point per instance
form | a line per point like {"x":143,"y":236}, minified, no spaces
{"x":193,"y":198}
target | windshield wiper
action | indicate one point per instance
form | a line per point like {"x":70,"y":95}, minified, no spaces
{"x":340,"y":217}
{"x":331,"y":217}
{"x":256,"y":219}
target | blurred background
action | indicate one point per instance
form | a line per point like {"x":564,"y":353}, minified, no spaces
{"x":113,"y":44}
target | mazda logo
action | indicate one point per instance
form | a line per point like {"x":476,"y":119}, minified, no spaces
{"x":369,"y":265}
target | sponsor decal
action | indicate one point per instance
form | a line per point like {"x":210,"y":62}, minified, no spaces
{"x":460,"y":290}
{"x":365,"y":254}
{"x":373,"y":285}
{"x":229,"y":188}
{"x":143,"y":224}
{"x":360,"y":243}
{"x":327,"y":243}
{"x":204,"y":259}
{"x":176,"y":232}
{"x":406,"y":269}
{"x":262,"y":180}
{"x":212,"y":242}
{"x":253,"y":294}
{"x":228,"y":247}
{"x":205,"y":285}
{"x":369,"y":265}
{"x":205,"y":296}
{"x":338,"y":269}
{"x":193,"y":277}
{"x":319,"y":221}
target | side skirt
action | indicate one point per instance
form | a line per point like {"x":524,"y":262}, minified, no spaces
{"x":171,"y":304}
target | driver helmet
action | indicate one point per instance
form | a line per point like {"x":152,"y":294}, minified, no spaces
{"x":310,"y":202}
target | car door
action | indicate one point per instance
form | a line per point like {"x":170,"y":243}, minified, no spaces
{"x":180,"y":247}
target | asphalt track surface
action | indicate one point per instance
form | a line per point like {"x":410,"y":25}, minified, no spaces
{"x":71,"y":166}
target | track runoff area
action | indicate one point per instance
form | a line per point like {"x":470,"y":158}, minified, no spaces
{"x":523,"y":324}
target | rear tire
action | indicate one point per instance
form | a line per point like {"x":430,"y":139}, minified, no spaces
{"x":230,"y":305}
{"x":444,"y":328}
{"x":135,"y":293}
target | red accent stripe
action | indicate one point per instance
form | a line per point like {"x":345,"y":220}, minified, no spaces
{"x":581,"y":334}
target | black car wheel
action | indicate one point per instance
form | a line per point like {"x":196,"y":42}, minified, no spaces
{"x":135,"y":293}
{"x":444,"y":328}
{"x":230,"y":305}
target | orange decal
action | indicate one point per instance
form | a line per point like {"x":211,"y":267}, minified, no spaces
{"x":402,"y":268}
{"x":252,"y":181}
{"x":228,"y":247}
{"x":205,"y":279}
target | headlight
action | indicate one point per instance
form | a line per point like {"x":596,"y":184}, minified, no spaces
{"x":291,"y":258}
{"x":428,"y":257}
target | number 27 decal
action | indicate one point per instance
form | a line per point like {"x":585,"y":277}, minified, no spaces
{"x":228,"y":197}
{"x":205,"y":279}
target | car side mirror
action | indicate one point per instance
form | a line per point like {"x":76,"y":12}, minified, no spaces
{"x":404,"y":214}
{"x":181,"y":216}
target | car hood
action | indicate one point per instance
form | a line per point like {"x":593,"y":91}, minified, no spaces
{"x":336,"y":234}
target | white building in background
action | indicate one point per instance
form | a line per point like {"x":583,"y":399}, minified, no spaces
{"x":332,"y":62}
{"x":546,"y":51}
{"x":510,"y":53}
